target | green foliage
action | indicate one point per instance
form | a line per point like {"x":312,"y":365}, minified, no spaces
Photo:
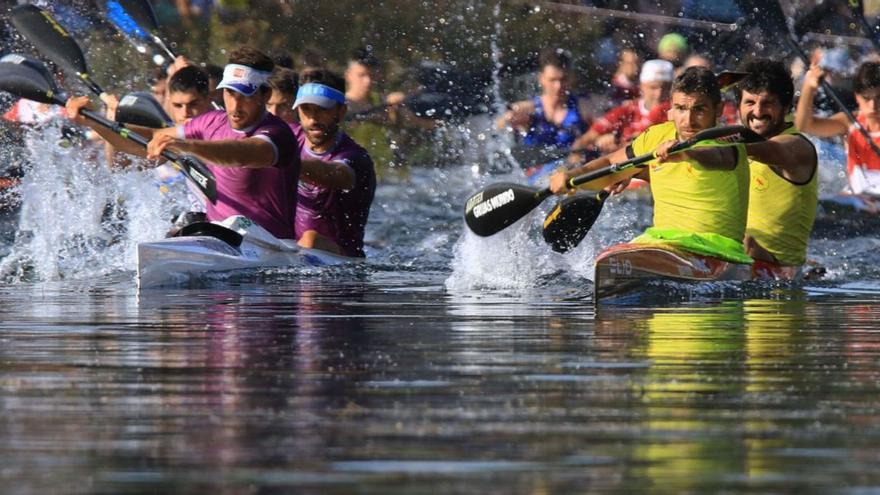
{"x":401,"y":33}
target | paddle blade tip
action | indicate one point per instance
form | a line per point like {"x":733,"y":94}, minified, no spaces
{"x":570,"y":221}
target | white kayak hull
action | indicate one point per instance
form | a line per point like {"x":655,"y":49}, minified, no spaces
{"x":178,"y":260}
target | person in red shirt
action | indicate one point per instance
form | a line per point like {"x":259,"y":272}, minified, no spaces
{"x":614,"y":129}
{"x":863,"y":163}
{"x":625,"y":83}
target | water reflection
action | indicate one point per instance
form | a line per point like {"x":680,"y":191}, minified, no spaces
{"x":319,"y":387}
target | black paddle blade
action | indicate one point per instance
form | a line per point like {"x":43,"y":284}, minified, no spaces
{"x":140,"y":108}
{"x":25,"y":81}
{"x":499,"y":205}
{"x":50,"y":38}
{"x":37,"y":65}
{"x":567,"y":225}
{"x":200,"y":174}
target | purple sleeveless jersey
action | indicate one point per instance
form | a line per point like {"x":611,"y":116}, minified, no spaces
{"x":337,"y":214}
{"x":264,"y":195}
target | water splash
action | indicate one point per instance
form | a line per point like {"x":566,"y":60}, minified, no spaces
{"x":77,"y":219}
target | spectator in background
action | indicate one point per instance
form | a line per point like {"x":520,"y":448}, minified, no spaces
{"x":159,"y":84}
{"x":215,"y":75}
{"x":374,"y":121}
{"x":552,"y":121}
{"x":284,"y":83}
{"x":674,"y":48}
{"x":311,"y":59}
{"x":360,"y":74}
{"x":625,"y":82}
{"x":619,"y":125}
{"x":282,"y":60}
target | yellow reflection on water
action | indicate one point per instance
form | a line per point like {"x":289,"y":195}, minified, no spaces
{"x":707,"y":364}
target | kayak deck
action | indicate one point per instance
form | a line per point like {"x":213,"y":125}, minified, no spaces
{"x":178,"y":260}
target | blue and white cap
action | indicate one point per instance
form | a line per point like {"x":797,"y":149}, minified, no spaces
{"x":319,"y":94}
{"x":243,"y":79}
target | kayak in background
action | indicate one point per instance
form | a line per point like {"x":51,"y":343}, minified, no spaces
{"x":627,"y":268}
{"x":847,"y":215}
{"x":236,"y":243}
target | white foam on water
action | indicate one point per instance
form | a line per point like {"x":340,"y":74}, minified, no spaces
{"x":78,"y":219}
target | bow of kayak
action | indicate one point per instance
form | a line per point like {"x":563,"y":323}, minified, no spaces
{"x":234,"y":244}
{"x":625,"y":268}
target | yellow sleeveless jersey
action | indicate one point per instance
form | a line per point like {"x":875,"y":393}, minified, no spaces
{"x":689,"y":196}
{"x":781,"y":213}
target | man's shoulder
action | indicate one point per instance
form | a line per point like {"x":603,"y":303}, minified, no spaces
{"x":272,"y":121}
{"x":662,"y":131}
{"x":274,"y":126}
{"x":213,"y":116}
{"x":352,"y":149}
{"x":206,"y":125}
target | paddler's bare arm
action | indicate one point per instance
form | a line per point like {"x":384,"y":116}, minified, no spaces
{"x":77,"y":103}
{"x":518,"y":115}
{"x":792,"y":157}
{"x":559,"y":180}
{"x":582,"y":141}
{"x":335,"y":175}
{"x":250,"y":152}
{"x":804,"y":118}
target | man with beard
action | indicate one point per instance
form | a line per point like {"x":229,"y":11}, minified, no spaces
{"x":252,"y":153}
{"x":338,"y":180}
{"x":783,"y":191}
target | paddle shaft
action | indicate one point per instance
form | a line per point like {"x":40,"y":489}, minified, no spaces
{"x":637,"y":161}
{"x":126,"y":133}
{"x":611,"y":169}
{"x":792,"y":42}
{"x":92,"y":85}
{"x":201,"y":178}
{"x":161,"y":44}
{"x":857,"y":10}
{"x":830,"y":92}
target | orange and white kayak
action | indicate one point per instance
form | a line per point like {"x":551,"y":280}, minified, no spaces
{"x":628,"y":267}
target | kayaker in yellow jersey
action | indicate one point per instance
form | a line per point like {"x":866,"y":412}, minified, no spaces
{"x":784,"y":188}
{"x":701,"y":195}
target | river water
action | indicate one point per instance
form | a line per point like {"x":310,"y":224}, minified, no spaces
{"x":447,"y":363}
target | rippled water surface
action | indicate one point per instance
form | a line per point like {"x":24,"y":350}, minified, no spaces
{"x":448,"y":363}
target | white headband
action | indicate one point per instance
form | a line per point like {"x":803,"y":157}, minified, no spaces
{"x":243,"y":79}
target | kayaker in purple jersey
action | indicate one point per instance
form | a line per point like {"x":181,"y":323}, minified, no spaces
{"x":252,"y":153}
{"x":338,"y":181}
